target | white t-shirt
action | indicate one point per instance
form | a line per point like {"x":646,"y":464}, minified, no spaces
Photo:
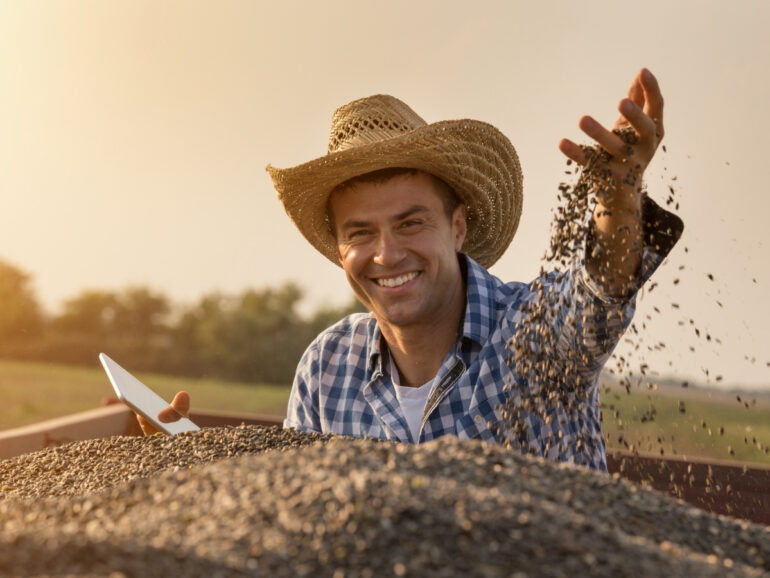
{"x":412,"y":401}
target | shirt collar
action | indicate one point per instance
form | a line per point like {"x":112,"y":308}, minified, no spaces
{"x":480,"y":302}
{"x":374,"y":355}
{"x":479,"y":309}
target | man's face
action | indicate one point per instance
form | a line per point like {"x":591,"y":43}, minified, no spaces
{"x":399,"y":248}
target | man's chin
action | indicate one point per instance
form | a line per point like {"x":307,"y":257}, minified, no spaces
{"x":397,"y":316}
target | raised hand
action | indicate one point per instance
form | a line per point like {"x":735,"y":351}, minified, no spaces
{"x":625,"y":152}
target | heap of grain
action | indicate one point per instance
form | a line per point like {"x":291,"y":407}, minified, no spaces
{"x":198,"y":505}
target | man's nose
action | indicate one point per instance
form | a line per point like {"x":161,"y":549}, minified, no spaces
{"x":389,"y":250}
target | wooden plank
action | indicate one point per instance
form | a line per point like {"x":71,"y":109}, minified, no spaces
{"x":729,"y":488}
{"x":113,"y":419}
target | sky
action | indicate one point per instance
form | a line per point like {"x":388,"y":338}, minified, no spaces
{"x":134,"y":137}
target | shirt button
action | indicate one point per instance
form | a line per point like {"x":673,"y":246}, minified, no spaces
{"x":478,"y":419}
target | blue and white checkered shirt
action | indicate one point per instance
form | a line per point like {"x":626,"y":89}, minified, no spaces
{"x":343,"y":386}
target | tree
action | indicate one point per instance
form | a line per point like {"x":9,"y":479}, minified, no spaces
{"x":91,"y":313}
{"x":21,"y":319}
{"x":257,"y":336}
{"x":249,"y":337}
{"x":131,"y":326}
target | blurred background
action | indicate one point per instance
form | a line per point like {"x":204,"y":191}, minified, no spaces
{"x":136,"y":216}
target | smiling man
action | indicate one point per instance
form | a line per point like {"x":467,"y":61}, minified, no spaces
{"x":398,"y":245}
{"x":415,"y":213}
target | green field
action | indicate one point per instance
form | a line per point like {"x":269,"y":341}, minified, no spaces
{"x":33,"y":392}
{"x":687,"y":423}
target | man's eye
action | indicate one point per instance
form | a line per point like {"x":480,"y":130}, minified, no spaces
{"x":357,"y":234}
{"x":410,"y":223}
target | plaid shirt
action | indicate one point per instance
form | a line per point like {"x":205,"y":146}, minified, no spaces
{"x":343,"y":386}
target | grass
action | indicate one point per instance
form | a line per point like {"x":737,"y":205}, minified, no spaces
{"x":32,"y":392}
{"x":688,"y":423}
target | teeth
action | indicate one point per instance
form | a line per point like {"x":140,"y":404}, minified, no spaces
{"x":396,"y":281}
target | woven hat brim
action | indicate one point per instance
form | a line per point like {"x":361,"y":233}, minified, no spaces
{"x":473,"y":157}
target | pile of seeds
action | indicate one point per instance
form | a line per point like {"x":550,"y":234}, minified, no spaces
{"x":344,"y":507}
{"x":88,"y":466}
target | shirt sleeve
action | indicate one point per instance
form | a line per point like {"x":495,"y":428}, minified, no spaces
{"x":567,"y":328}
{"x":570,"y":324}
{"x":595,"y":321}
{"x":302,"y":412}
{"x":661,"y":230}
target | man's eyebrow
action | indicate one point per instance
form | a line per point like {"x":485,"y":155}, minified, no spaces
{"x":410,"y":211}
{"x":356,"y":224}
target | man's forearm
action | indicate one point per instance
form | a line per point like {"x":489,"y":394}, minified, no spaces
{"x":615,"y":254}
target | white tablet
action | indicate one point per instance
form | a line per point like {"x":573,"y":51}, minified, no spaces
{"x":141,"y":398}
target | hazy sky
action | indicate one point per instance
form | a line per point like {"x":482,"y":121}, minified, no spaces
{"x":134,"y":137}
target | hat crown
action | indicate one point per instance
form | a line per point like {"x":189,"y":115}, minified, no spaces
{"x":369,"y":120}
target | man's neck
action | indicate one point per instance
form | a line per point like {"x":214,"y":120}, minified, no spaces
{"x":419,"y":350}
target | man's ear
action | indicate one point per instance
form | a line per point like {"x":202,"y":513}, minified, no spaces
{"x":459,"y":226}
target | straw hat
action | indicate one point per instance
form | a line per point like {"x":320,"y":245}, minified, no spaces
{"x":377,"y":132}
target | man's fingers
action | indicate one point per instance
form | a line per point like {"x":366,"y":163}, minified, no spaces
{"x":636,"y":90}
{"x":179,"y":407}
{"x":181,"y":403}
{"x":572,"y":151}
{"x":642,"y":123}
{"x":642,"y":110}
{"x":147,"y":428}
{"x":653,"y":99}
{"x":608,"y":140}
{"x":636,"y":95}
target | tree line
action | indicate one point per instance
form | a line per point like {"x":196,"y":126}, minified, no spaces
{"x":256,"y":336}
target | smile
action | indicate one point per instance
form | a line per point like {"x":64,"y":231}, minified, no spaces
{"x":396,"y":281}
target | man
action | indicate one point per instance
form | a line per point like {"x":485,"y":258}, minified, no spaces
{"x":415,"y":213}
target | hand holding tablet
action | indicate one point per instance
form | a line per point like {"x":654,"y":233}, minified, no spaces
{"x":146,"y":403}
